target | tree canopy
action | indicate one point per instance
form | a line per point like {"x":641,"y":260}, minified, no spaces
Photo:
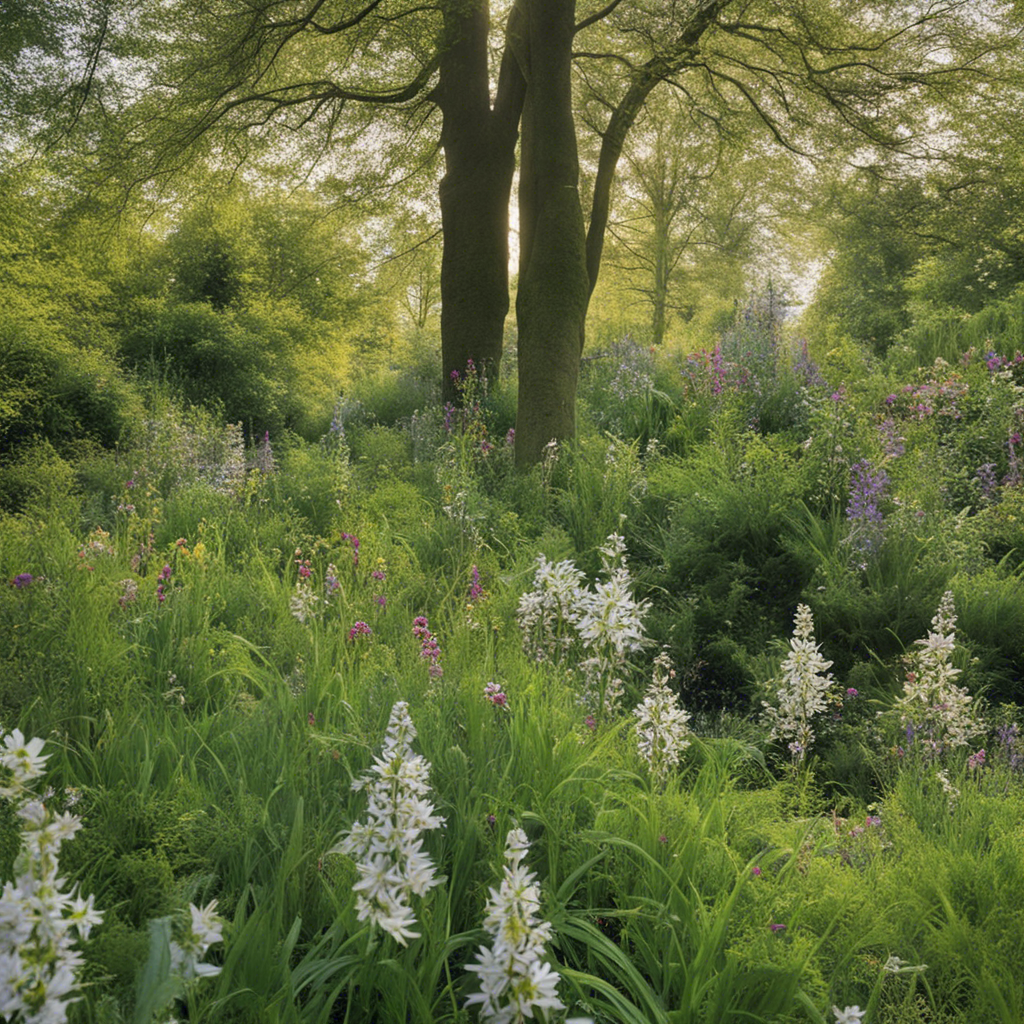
{"x":358,"y":98}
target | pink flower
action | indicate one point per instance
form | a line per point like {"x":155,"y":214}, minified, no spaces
{"x":756,"y":871}
{"x":359,"y":629}
{"x":777,"y":927}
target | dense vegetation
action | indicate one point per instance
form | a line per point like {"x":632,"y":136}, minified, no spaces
{"x":320,"y":701}
{"x":210,"y":627}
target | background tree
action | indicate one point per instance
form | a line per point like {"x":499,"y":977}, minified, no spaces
{"x":230,"y":82}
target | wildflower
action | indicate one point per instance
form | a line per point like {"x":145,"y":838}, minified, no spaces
{"x":852,"y":692}
{"x":23,"y":759}
{"x":354,"y":541}
{"x":590,"y":722}
{"x":331,"y":582}
{"x":976,"y":760}
{"x":661,"y":729}
{"x":493,"y":692}
{"x":894,"y":965}
{"x":851,"y":1015}
{"x":756,"y":871}
{"x":303,"y":602}
{"x":514,"y":980}
{"x":38,"y":922}
{"x":951,"y":791}
{"x":931,"y":704}
{"x":806,"y":683}
{"x":429,"y":649}
{"x":265,"y":455}
{"x":867,"y":489}
{"x":192,"y":943}
{"x":22,"y":580}
{"x":776,"y":927}
{"x":391,"y":862}
{"x":475,"y":590}
{"x":359,"y":629}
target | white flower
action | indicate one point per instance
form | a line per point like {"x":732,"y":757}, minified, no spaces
{"x":23,"y":759}
{"x":851,"y":1015}
{"x":514,"y":980}
{"x":661,"y":728}
{"x":932,"y":708}
{"x":805,"y":687}
{"x":38,"y":920}
{"x":391,"y":862}
{"x":192,"y":943}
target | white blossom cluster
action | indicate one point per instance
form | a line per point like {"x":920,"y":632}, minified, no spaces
{"x":304,"y":601}
{"x":204,"y":929}
{"x":933,"y":708}
{"x":388,"y":848}
{"x":549,"y":612}
{"x":561,"y":612}
{"x":661,"y":729}
{"x":38,"y":921}
{"x":806,"y":683}
{"x":514,"y":979}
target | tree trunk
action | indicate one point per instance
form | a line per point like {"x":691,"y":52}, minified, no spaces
{"x":479,"y":148}
{"x":551,"y":303}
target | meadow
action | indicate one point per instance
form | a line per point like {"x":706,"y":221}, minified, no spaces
{"x":712,"y":716}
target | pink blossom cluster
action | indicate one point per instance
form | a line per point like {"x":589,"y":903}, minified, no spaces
{"x":429,"y":648}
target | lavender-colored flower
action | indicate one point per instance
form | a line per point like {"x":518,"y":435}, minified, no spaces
{"x":22,"y":580}
{"x":867,"y":490}
{"x":892,"y":440}
{"x":987,"y":483}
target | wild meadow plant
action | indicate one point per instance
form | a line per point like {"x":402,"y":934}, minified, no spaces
{"x":602,"y":622}
{"x":868,"y":487}
{"x":388,"y":848}
{"x":39,"y":922}
{"x":803,"y":695}
{"x":661,"y":728}
{"x":935,"y":714}
{"x":515,"y":980}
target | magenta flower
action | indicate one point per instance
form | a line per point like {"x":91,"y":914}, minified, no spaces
{"x":492,"y":691}
{"x":756,"y":871}
{"x":777,"y":927}
{"x":354,"y":541}
{"x":359,"y":629}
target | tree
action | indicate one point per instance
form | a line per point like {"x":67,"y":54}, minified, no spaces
{"x":693,"y":211}
{"x":224,"y":80}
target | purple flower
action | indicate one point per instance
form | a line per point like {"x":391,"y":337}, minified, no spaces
{"x":475,"y":590}
{"x":492,"y":691}
{"x":867,"y":489}
{"x":510,"y":437}
{"x":165,"y":573}
{"x":873,"y":820}
{"x":777,"y":927}
{"x":976,"y":760}
{"x":354,"y":541}
{"x":22,"y":580}
{"x":359,"y":629}
{"x":851,"y":692}
{"x":756,"y":871}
